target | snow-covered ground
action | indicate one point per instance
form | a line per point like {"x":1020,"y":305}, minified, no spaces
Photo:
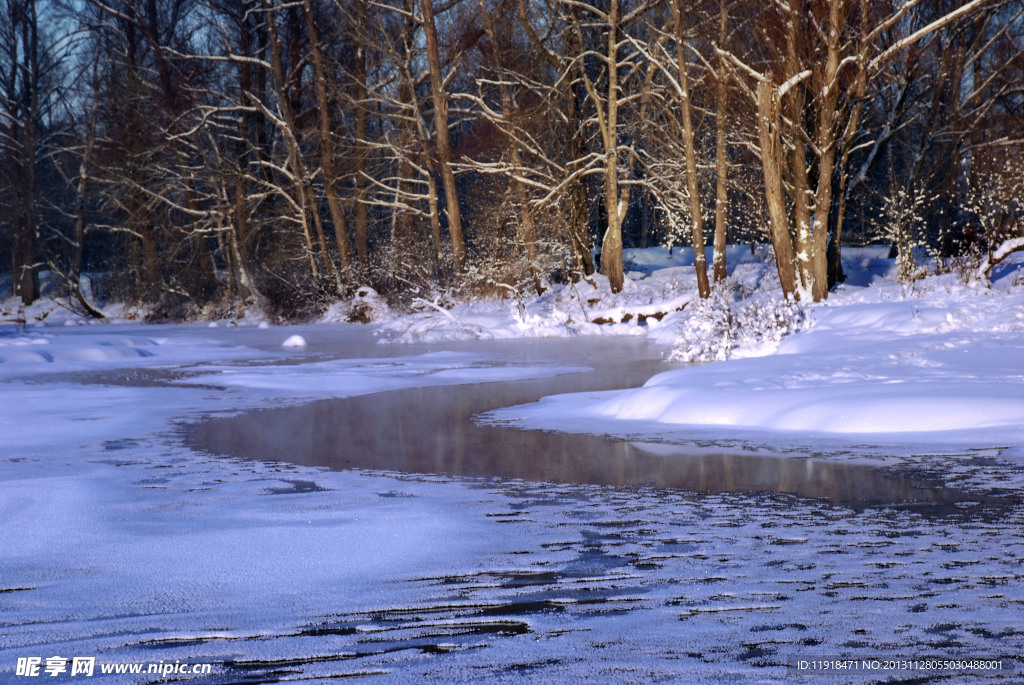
{"x":121,"y":542}
{"x":938,"y":362}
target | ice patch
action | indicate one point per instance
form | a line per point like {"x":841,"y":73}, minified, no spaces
{"x":350,"y":377}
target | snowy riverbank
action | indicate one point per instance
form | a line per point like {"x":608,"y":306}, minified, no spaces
{"x":939,"y":363}
{"x":934,"y":361}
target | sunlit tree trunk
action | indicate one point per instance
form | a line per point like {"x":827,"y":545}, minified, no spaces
{"x":700,"y":260}
{"x":444,"y":149}
{"x":769,"y":117}
{"x":796,"y":112}
{"x":826,"y":144}
{"x":721,"y":151}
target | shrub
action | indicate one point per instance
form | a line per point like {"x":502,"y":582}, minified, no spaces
{"x":718,"y":328}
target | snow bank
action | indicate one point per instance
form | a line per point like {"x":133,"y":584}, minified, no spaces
{"x":585,"y":308}
{"x":941,"y":363}
{"x":366,"y":306}
{"x":658,"y":287}
{"x":95,"y":348}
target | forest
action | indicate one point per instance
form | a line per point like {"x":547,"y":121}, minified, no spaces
{"x":204,"y":156}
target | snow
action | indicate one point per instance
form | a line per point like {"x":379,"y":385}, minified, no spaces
{"x":358,"y":376}
{"x":122,"y":542}
{"x":938,"y":363}
{"x":294,"y":341}
{"x":116,"y":536}
{"x":999,"y":254}
{"x":79,"y":349}
{"x":366,"y":306}
{"x":659,"y":285}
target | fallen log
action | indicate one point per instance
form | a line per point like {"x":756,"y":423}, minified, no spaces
{"x":642,"y":313}
{"x":1007,"y":248}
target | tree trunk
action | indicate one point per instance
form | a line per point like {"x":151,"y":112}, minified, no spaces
{"x":360,"y":76}
{"x":835,"y":257}
{"x":526,"y":230}
{"x":798,"y":162}
{"x":769,"y":115}
{"x":24,"y":272}
{"x":616,"y":201}
{"x":75,"y":275}
{"x":826,"y":145}
{"x":237,"y":240}
{"x":22,"y":95}
{"x":296,"y":165}
{"x":23,"y":268}
{"x":152,"y":279}
{"x":577,"y":219}
{"x":325,"y":142}
{"x":444,"y":150}
{"x":435,"y":224}
{"x":693,"y":187}
{"x":721,"y":154}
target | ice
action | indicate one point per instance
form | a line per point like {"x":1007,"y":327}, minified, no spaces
{"x":116,"y":536}
{"x":358,"y":376}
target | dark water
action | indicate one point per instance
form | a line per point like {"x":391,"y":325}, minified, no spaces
{"x":430,"y":431}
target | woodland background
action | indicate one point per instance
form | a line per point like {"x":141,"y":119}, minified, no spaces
{"x":204,"y":156}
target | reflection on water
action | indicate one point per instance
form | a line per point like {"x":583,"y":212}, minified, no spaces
{"x":429,"y":430}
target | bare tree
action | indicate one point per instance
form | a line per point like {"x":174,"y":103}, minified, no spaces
{"x":528,"y":233}
{"x":439,"y":94}
{"x":29,"y":79}
{"x":721,"y":146}
{"x":607,"y":99}
{"x":806,"y":114}
{"x":551,"y":28}
{"x":325,"y":140}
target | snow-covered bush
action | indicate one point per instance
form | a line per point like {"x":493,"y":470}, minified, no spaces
{"x":706,"y":332}
{"x":717,"y":328}
{"x":904,"y":227}
{"x":367,"y":306}
{"x":966,"y":264}
{"x":765,"y":320}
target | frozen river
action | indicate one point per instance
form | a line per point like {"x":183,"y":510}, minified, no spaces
{"x":431,"y":430}
{"x":250,"y":518}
